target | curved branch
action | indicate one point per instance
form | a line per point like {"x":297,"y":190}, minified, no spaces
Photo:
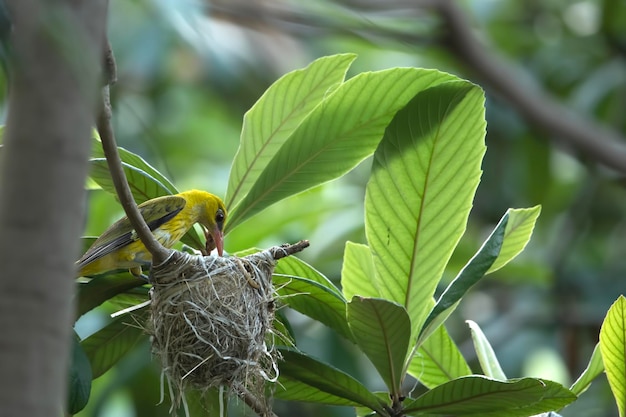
{"x":109,"y":146}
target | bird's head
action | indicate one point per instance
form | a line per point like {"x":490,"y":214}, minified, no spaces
{"x":211,"y":217}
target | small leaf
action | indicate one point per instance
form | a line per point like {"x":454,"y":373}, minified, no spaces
{"x":382,"y":330}
{"x":438,"y":360}
{"x":357,"y":272}
{"x":292,"y":266}
{"x":340,"y":132}
{"x":314,"y":300}
{"x":478,"y":395}
{"x":471,"y":273}
{"x":108,"y":345}
{"x":613,"y":348}
{"x":307,"y":370}
{"x":142,"y":185}
{"x":272,"y":119}
{"x":593,"y":370}
{"x":424,"y":175}
{"x":134,"y":160}
{"x":79,"y":379}
{"x":517,"y":234}
{"x":486,"y":356}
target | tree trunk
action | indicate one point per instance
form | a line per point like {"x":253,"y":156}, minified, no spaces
{"x":54,"y":83}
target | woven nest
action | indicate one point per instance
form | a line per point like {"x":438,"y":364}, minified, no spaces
{"x":210,"y":320}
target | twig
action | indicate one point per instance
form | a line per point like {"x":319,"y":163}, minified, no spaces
{"x":109,"y":146}
{"x":254,"y":403}
{"x":282,"y":251}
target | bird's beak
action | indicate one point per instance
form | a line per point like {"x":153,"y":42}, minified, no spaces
{"x":215,"y":240}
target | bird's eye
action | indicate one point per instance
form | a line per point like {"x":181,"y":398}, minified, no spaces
{"x":219,"y":218}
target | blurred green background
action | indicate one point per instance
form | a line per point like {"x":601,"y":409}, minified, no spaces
{"x":188,"y":70}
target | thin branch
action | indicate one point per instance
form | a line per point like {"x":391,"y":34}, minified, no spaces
{"x":282,"y":251}
{"x":109,"y":146}
{"x":253,"y":402}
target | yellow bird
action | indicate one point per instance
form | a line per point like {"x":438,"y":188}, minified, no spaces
{"x":169,"y":218}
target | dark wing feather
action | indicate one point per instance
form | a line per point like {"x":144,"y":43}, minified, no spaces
{"x":155,"y":212}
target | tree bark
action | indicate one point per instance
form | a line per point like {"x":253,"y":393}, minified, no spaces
{"x":54,"y":82}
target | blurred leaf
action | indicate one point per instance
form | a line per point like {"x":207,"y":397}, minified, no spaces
{"x":100,"y":289}
{"x":518,"y":231}
{"x":613,"y":348}
{"x":418,"y":198}
{"x":340,"y":132}
{"x":357,"y":272}
{"x":314,"y":300}
{"x":108,"y":345}
{"x":593,"y":370}
{"x":274,"y":117}
{"x":325,"y":378}
{"x":471,"y":273}
{"x":134,"y":160}
{"x":438,"y":360}
{"x":382,"y":330}
{"x":481,"y":396}
{"x":80,"y":378}
{"x":486,"y":356}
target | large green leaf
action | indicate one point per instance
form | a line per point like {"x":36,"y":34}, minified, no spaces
{"x":471,"y":273}
{"x":357,"y":272}
{"x":108,"y":345}
{"x":340,"y":132}
{"x":555,"y":397}
{"x":314,"y":300}
{"x":478,"y":395}
{"x":613,"y":348}
{"x":486,"y":356}
{"x":438,"y":360}
{"x":99,"y":290}
{"x":289,"y":389}
{"x":300,"y":367}
{"x":593,"y":370}
{"x":272,"y":119}
{"x":517,"y":234}
{"x":418,"y":198}
{"x":382,"y":330}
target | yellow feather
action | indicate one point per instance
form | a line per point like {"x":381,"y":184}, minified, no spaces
{"x":169,"y":217}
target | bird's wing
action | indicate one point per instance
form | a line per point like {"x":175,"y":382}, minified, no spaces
{"x":155,"y":212}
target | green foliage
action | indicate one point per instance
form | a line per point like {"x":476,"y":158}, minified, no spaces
{"x":613,"y":348}
{"x":80,"y":376}
{"x":593,"y":369}
{"x":426,"y":132}
{"x":486,"y":356}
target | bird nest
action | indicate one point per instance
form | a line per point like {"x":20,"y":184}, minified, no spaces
{"x":210,"y":321}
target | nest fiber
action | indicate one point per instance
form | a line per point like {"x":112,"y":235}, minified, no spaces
{"x":210,"y":316}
